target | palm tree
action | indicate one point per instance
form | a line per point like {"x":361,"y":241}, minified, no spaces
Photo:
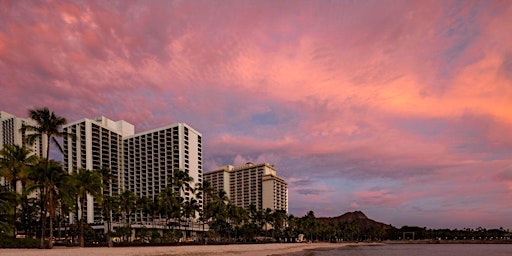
{"x":14,"y":163}
{"x":128,"y":203}
{"x":5,"y":210}
{"x":149,"y":206}
{"x":48,"y":128}
{"x":154,"y":210}
{"x":169,"y":204}
{"x":181,"y":180}
{"x":217,"y":209}
{"x":49,"y":178}
{"x":190,"y":207}
{"x":217,"y":212}
{"x":145,"y":205}
{"x":267,"y":218}
{"x":108,"y":206}
{"x":237,"y":215}
{"x":222,"y":196}
{"x":205,"y":192}
{"x":109,"y":202}
{"x":254,"y":215}
{"x":55,"y":182}
{"x":29,"y":210}
{"x":291,"y":225}
{"x":66,"y":204}
{"x":309,"y":224}
{"x":278,"y":221}
{"x":107,"y":178}
{"x":86,"y":182}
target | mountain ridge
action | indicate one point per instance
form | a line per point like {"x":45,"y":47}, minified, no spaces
{"x":357,"y":217}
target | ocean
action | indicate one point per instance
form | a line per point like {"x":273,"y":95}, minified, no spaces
{"x":413,"y":250}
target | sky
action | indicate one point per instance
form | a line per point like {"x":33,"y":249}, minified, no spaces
{"x":399,"y":109}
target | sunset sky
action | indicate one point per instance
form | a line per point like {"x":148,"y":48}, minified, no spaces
{"x":400,"y":109}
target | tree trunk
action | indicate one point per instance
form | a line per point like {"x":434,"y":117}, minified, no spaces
{"x":50,"y":238}
{"x":60,"y":224}
{"x":66,"y":231}
{"x":43,"y":219}
{"x":43,"y":209}
{"x":109,"y":227}
{"x":14,"y":222}
{"x":82,"y":205}
{"x":109,"y":240}
{"x":13,"y":186}
{"x":185,"y":236}
{"x":76,"y":220}
{"x":52,"y":216}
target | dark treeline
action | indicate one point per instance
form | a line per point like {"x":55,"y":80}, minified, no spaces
{"x":419,"y":233}
{"x":355,"y":226}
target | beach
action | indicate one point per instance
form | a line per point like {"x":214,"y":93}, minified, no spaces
{"x":193,"y":250}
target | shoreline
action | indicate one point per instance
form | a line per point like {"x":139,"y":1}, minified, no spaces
{"x":270,"y":249}
{"x":460,"y":241}
{"x":191,"y":250}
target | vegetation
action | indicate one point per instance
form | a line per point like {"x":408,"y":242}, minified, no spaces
{"x":15,"y":162}
{"x":48,"y":127}
{"x":6,"y":212}
{"x":39,"y":196}
{"x":85,"y":182}
{"x":468,"y":234}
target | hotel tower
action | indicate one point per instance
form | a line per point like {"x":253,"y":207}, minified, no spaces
{"x":256,"y":184}
{"x":141,"y":163}
{"x":10,"y":133}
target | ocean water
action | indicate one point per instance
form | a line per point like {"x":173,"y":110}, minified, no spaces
{"x":414,"y":250}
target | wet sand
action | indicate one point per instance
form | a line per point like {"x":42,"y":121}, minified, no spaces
{"x":194,"y":250}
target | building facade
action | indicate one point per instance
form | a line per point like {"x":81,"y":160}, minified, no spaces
{"x":256,"y":184}
{"x":142,"y":163}
{"x":219,"y":180}
{"x":151,"y":157}
{"x":10,"y":133}
{"x":96,"y":143}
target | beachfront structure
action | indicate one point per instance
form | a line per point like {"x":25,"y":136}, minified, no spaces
{"x":96,"y":143}
{"x":256,"y":184}
{"x":141,"y":163}
{"x":151,"y":157}
{"x":10,"y":133}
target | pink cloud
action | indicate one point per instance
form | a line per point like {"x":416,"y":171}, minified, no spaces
{"x":380,"y":198}
{"x":375,"y":104}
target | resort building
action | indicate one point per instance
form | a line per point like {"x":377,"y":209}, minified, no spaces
{"x":10,"y":133}
{"x":256,"y":184}
{"x":96,"y":143}
{"x":151,"y":157}
{"x":141,"y":163}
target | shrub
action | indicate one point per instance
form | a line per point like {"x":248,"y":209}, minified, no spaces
{"x":9,"y":242}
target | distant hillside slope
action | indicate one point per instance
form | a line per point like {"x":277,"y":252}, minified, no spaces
{"x":356,"y":217}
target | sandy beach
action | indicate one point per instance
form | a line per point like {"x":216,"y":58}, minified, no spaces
{"x":199,"y":250}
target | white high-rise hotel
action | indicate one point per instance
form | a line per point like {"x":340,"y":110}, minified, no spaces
{"x":10,"y":133}
{"x":141,"y":163}
{"x":256,"y":184}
